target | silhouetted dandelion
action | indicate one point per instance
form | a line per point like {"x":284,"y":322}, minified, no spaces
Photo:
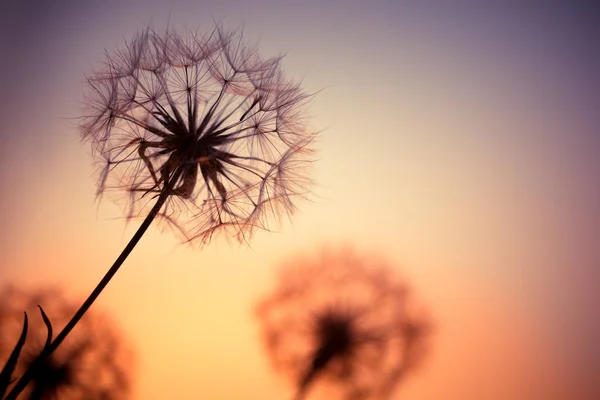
{"x":197,"y":131}
{"x":203,"y":125}
{"x":93,"y":364}
{"x":342,"y":323}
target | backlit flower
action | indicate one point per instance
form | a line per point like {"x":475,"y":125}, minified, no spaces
{"x":204,"y":121}
{"x":342,"y":323}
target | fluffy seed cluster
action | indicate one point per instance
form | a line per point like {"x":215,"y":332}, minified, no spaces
{"x":204,"y":121}
{"x":92,"y":364}
{"x":343,"y":326}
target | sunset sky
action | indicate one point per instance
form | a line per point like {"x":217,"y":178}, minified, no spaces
{"x":459,"y":141}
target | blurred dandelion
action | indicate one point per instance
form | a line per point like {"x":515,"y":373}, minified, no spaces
{"x":342,"y":323}
{"x":199,"y":132}
{"x":93,"y":364}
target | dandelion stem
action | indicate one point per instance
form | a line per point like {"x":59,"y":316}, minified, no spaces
{"x":308,"y":379}
{"x":28,"y":375}
{"x":301,"y":393}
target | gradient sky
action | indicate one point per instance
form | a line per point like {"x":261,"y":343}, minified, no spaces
{"x":461,"y":141}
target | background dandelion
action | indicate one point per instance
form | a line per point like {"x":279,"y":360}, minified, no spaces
{"x":96,"y":363}
{"x":345,"y":320}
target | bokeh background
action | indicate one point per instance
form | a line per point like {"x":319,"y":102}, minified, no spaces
{"x":460,"y":140}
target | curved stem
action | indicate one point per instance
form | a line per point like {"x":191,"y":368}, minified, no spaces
{"x":304,"y":384}
{"x":300,"y":394}
{"x":28,"y":375}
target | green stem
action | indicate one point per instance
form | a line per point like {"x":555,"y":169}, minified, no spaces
{"x":28,"y":375}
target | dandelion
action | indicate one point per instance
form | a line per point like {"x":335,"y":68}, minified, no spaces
{"x":199,"y":132}
{"x":92,"y":365}
{"x":342,"y":324}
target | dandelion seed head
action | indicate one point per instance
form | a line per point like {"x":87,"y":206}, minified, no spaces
{"x":208,"y":122}
{"x":344,"y":324}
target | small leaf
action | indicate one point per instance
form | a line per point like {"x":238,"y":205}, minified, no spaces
{"x":48,"y":326}
{"x":9,"y":367}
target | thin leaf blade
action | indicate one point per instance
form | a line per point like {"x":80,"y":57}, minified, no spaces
{"x":9,"y":367}
{"x":48,"y":327}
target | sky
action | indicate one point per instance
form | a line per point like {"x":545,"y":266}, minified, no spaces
{"x":458,"y":139}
